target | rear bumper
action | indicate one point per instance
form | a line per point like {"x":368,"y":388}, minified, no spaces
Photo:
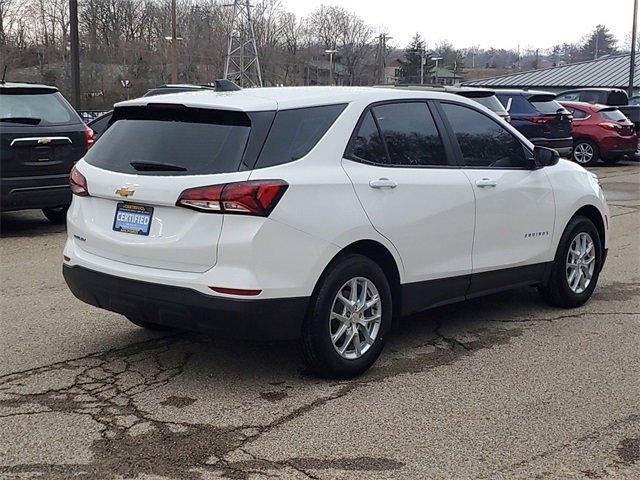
{"x":618,"y":146}
{"x":268,"y":319}
{"x":45,"y":191}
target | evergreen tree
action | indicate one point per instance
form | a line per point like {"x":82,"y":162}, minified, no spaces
{"x":598,"y":43}
{"x":411,"y":64}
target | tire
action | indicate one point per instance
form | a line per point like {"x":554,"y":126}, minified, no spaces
{"x":156,"y":327}
{"x":320,"y":353}
{"x":558,"y":291}
{"x":585,"y":153}
{"x":56,"y":215}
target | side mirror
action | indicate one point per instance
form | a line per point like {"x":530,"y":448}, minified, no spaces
{"x":545,"y":157}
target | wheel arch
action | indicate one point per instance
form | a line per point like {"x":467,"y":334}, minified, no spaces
{"x":381,"y":255}
{"x":593,"y":213}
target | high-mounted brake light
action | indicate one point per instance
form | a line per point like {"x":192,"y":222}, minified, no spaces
{"x":78,"y":183}
{"x":88,"y":137}
{"x":254,"y":197}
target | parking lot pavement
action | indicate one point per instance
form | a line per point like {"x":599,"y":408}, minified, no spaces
{"x":496,"y":388}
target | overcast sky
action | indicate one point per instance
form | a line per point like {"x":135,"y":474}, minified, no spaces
{"x":488,"y":23}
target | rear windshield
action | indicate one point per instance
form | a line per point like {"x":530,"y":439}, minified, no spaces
{"x":492,"y":103}
{"x":613,"y":114}
{"x":36,"y":108}
{"x":172,"y":141}
{"x":547,"y":105}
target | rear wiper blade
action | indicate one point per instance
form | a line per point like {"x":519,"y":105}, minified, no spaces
{"x":157,"y":167}
{"x":25,"y":120}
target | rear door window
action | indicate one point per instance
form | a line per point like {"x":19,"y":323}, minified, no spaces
{"x":483,"y":142}
{"x":410,"y":134}
{"x":172,"y":141}
{"x":36,"y":108}
{"x":295,"y":132}
{"x":578,"y":114}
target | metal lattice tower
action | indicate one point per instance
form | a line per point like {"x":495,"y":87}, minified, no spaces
{"x":242,"y":64}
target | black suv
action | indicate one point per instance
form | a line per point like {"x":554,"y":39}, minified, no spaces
{"x":540,"y":118}
{"x":41,"y":137}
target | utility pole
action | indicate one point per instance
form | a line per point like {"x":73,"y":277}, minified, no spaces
{"x":174,"y":43}
{"x":242,"y":64}
{"x":330,"y":53}
{"x":595,"y":54}
{"x":381,"y":54}
{"x":422,"y":66}
{"x":75,"y":53}
{"x":632,"y":58}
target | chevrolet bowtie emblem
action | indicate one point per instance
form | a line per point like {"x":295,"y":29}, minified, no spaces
{"x":44,"y":141}
{"x":124,"y":192}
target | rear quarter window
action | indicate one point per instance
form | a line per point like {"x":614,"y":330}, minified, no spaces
{"x":47,"y":108}
{"x":295,"y":132}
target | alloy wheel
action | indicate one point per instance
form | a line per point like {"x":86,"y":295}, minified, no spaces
{"x":355,"y":318}
{"x":583,"y":153}
{"x":580,"y":263}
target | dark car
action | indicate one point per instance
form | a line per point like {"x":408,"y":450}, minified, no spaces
{"x":614,"y":97}
{"x":100,"y":124}
{"x":540,"y":118}
{"x":483,"y":96}
{"x":600,"y":132}
{"x":41,"y":138}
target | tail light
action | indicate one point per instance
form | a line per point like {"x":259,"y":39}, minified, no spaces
{"x":609,"y":126}
{"x":254,"y":197}
{"x":88,"y":136}
{"x":78,"y":183}
{"x":537,"y":119}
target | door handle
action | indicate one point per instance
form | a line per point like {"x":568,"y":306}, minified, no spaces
{"x":486,"y":183}
{"x":383,"y":183}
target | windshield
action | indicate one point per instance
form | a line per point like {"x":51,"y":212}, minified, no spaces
{"x":35,"y":108}
{"x":184,"y":142}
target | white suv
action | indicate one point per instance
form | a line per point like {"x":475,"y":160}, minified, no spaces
{"x":321,"y":214}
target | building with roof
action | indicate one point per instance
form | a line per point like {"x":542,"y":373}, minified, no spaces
{"x":393,"y":72}
{"x":606,"y":72}
{"x":442,"y":76}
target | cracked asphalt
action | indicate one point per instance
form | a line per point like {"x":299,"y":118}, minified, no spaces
{"x":501,"y":387}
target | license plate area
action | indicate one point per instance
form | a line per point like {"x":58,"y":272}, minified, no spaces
{"x":132,"y":218}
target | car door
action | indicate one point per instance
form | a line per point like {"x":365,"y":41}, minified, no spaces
{"x":413,"y":195}
{"x":515,"y":207}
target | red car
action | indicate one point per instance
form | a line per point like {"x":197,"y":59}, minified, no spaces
{"x":600,"y":132}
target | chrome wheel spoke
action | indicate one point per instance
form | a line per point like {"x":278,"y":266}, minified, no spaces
{"x":355,"y":318}
{"x":580,"y":262}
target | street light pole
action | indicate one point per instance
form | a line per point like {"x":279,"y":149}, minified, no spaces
{"x":632,"y":58}
{"x":174,"y":41}
{"x":330,"y":52}
{"x":422,"y":67}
